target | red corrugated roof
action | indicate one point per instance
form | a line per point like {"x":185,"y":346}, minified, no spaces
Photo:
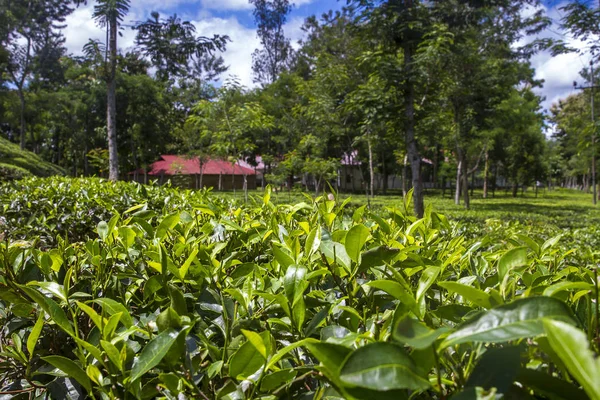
{"x":173,"y":165}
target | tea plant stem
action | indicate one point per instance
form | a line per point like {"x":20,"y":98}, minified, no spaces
{"x":31,"y":389}
{"x":436,"y":358}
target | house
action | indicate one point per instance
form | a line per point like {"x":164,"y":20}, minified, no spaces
{"x":353,"y":175}
{"x":350,"y":176}
{"x":193,"y":174}
{"x":255,"y":163}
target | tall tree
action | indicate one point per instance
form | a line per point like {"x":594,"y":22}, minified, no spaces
{"x":109,"y":14}
{"x":276,"y":53}
{"x":396,"y":27}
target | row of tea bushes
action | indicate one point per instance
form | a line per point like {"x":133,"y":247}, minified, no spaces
{"x":119,"y":291}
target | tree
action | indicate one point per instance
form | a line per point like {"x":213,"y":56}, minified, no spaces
{"x":28,"y":25}
{"x":518,"y":131}
{"x":276,"y":54}
{"x":482,"y":72}
{"x":572,"y":136}
{"x":109,"y":14}
{"x":229,"y":121}
{"x":171,"y":44}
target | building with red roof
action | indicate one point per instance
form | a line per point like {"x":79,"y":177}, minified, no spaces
{"x":194,"y":174}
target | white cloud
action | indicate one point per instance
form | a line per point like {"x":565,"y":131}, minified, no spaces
{"x":560,"y":71}
{"x":293,"y":30}
{"x":81,"y":27}
{"x":227,"y":4}
{"x":239,"y":51}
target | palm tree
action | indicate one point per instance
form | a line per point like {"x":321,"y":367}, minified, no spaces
{"x":109,"y":14}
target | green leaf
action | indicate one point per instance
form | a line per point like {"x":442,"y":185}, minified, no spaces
{"x":35,"y":334}
{"x":513,"y":258}
{"x":469,"y":293}
{"x":549,"y":386}
{"x":336,"y":253}
{"x":520,"y":319}
{"x":416,"y":334}
{"x":127,"y":235}
{"x":214,"y":369}
{"x":94,"y":374}
{"x":427,"y":278}
{"x":381,"y":367}
{"x":394,"y":289}
{"x":52,"y":287}
{"x":257,"y":342}
{"x":71,"y":369}
{"x":281,"y":353}
{"x":111,"y":307}
{"x":51,"y":308}
{"x":331,"y":355}
{"x":497,"y":368}
{"x":153,"y":353}
{"x":277,"y":379}
{"x":562,"y":286}
{"x":284,"y":259}
{"x":313,"y":241}
{"x":355,"y":240}
{"x":93,"y":350}
{"x":111,"y":325}
{"x":376,"y":257}
{"x":245,"y":362}
{"x":94,"y":316}
{"x":572,"y":346}
{"x":183,"y":270}
{"x":113,"y":354}
{"x":168,"y":319}
{"x":294,"y":283}
{"x":168,"y":223}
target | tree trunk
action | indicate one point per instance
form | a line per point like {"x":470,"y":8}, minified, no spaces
{"x":245,"y":188}
{"x":371,"y":170}
{"x":409,"y":112}
{"x":405,"y":175}
{"x":233,"y":181}
{"x":436,"y":162}
{"x":111,"y":120}
{"x":495,"y":181}
{"x":486,"y":171}
{"x":384,"y":175}
{"x":465,"y":181}
{"x":515,"y":189}
{"x":457,"y":191}
{"x":86,"y":164}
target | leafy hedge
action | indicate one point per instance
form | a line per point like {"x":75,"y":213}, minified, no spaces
{"x":17,"y":163}
{"x":176,"y":294}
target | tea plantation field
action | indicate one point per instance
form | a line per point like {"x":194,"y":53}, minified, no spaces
{"x":121,"y":291}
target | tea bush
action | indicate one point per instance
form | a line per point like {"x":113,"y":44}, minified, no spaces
{"x":16,"y":163}
{"x":121,"y":291}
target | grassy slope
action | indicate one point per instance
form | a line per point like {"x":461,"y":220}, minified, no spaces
{"x":16,"y":163}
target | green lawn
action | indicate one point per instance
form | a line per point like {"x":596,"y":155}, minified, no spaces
{"x":560,"y":207}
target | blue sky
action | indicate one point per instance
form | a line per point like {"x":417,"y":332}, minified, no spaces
{"x":234,"y":18}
